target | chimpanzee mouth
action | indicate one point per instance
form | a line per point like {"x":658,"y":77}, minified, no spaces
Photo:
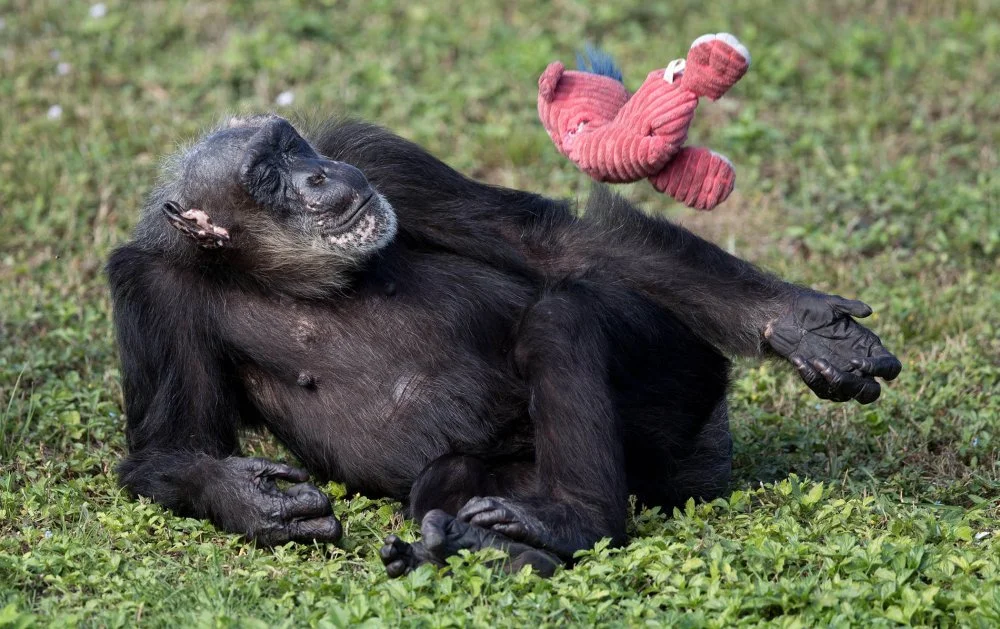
{"x":348,"y":221}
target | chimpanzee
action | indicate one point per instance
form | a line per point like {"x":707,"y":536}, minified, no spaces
{"x":507,"y":367}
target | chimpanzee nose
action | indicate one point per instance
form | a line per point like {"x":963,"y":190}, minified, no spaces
{"x":352,"y":178}
{"x":353,"y":187}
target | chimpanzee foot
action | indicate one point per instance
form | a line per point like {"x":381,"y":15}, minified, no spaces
{"x":556,"y":532}
{"x":401,"y":557}
{"x":245,"y":498}
{"x":444,"y":535}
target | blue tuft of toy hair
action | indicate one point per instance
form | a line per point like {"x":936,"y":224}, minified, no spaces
{"x":595,"y":61}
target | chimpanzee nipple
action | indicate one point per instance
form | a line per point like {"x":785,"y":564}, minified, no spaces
{"x":306,"y":379}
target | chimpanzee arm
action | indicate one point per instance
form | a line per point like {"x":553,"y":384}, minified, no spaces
{"x":183,"y":418}
{"x":736,"y":306}
{"x":727,"y":301}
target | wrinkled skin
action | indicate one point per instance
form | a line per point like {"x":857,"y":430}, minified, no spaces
{"x":268,"y":514}
{"x":837,"y":357}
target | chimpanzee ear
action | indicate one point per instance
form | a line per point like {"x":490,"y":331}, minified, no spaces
{"x":263,"y":172}
{"x":197,"y":225}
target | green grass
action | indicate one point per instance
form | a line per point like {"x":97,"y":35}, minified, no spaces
{"x":866,"y":139}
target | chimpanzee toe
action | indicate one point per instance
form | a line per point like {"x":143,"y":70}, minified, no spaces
{"x":397,"y":556}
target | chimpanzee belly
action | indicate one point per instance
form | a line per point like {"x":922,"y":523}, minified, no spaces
{"x":370,"y":388}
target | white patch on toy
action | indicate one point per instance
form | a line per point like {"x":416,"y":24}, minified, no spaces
{"x":673,"y":69}
{"x":728,"y":38}
{"x":723,"y":158}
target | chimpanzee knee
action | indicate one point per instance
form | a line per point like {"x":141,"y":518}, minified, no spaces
{"x":447,"y":483}
{"x":562,"y":327}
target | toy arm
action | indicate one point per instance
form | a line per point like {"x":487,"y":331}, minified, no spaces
{"x":549,"y":80}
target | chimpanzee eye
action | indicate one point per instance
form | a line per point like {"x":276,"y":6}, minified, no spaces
{"x":317,"y":179}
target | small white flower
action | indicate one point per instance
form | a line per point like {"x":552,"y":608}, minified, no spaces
{"x":63,"y":68}
{"x":284,"y":99}
{"x":48,"y":534}
{"x":98,"y":10}
{"x":54,"y":113}
{"x":982,"y":535}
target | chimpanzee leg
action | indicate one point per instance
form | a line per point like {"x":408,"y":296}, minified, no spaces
{"x":444,"y":486}
{"x":562,"y":350}
{"x":667,"y":472}
{"x":575,"y":492}
{"x":672,"y":391}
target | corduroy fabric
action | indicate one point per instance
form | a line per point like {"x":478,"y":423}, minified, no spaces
{"x":568,"y":99}
{"x":712,"y":68}
{"x":619,"y":139}
{"x":696,"y":177}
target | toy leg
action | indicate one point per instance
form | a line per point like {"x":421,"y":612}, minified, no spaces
{"x":697,"y":177}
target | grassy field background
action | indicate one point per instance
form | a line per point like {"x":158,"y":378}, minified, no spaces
{"x":866,"y":139}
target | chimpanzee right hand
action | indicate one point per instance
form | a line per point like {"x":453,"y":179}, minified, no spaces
{"x":244,"y":497}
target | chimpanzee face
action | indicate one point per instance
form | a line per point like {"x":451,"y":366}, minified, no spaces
{"x":293,"y":190}
{"x":338,"y":203}
{"x":334,"y":200}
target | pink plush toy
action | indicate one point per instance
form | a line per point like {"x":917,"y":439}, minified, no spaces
{"x":617,"y":138}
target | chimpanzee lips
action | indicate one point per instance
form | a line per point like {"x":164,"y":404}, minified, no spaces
{"x":349,"y":218}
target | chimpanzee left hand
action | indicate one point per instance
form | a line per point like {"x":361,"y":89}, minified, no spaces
{"x":835,"y":355}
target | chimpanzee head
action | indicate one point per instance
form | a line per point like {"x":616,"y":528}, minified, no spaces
{"x":256,"y":187}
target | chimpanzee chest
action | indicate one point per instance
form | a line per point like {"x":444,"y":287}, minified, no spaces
{"x":370,"y":387}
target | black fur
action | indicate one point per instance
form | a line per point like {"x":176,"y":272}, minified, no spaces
{"x":510,"y":370}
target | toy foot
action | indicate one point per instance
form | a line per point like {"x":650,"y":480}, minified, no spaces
{"x":697,"y":177}
{"x":714,"y":64}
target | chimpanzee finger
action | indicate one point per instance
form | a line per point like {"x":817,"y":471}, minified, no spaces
{"x":283,"y":472}
{"x":839,"y":388}
{"x":395,"y":569}
{"x":172,"y":210}
{"x":305,"y":501}
{"x":478,"y":507}
{"x":326,"y":529}
{"x":887,"y":366}
{"x":846,"y":385}
{"x":852,"y":307}
{"x":811,"y":377}
{"x":870,"y":391}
